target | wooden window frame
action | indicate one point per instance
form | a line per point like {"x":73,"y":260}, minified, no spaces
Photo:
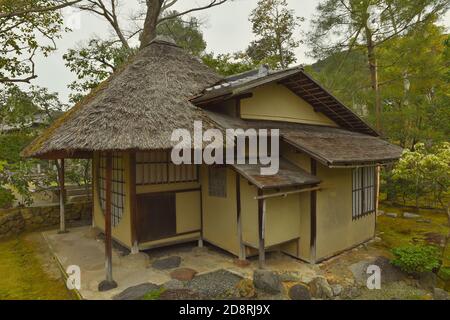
{"x":212,"y":192}
{"x":167,"y":165}
{"x":363,"y":184}
{"x":118,"y":196}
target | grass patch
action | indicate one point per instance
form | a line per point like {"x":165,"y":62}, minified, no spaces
{"x":154,"y":294}
{"x":22,"y":275}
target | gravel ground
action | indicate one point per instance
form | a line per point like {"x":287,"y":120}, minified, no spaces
{"x":215,"y":285}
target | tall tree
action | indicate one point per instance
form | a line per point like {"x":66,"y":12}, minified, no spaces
{"x":346,"y":25}
{"x":274,"y":26}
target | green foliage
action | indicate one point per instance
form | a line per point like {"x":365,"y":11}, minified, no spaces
{"x":423,"y":174}
{"x":94,"y":63}
{"x":227,"y":64}
{"x":186,"y":33}
{"x":416,"y":259}
{"x":154,"y":295}
{"x":11,"y":145}
{"x":444,"y":273}
{"x":24,"y":36}
{"x":274,"y":26}
{"x":6,"y":198}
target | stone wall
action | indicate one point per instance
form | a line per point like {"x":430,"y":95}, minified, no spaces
{"x":17,"y":220}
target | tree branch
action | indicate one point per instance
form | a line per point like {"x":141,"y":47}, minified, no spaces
{"x":38,"y":10}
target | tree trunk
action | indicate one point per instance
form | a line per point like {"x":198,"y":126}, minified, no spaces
{"x":373,"y":68}
{"x":151,"y":21}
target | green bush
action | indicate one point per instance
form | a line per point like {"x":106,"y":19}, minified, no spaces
{"x":6,"y":198}
{"x":444,"y":273}
{"x":416,"y":259}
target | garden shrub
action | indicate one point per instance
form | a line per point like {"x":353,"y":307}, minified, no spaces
{"x":416,"y":259}
{"x":6,"y":198}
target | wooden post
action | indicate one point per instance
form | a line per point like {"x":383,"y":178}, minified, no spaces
{"x":133,"y":206}
{"x":313,"y":213}
{"x":62,"y":196}
{"x":242,"y":255}
{"x":109,"y":283}
{"x":261,"y":225}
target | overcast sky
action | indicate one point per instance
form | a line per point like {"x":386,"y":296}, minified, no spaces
{"x":226,"y":29}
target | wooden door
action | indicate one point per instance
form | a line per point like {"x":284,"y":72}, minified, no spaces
{"x":156,"y":216}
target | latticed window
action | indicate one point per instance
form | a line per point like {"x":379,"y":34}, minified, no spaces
{"x":157,"y":168}
{"x":217,"y":182}
{"x":363,"y":183}
{"x":117,"y":187}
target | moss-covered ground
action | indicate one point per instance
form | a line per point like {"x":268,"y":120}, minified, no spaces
{"x":24,"y":275}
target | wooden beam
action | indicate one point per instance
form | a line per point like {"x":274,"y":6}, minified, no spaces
{"x":285,"y":194}
{"x":261,"y":228}
{"x":108,"y":283}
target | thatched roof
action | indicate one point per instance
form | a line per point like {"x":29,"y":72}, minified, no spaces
{"x":135,"y":109}
{"x":329,"y":145}
{"x":289,"y":175}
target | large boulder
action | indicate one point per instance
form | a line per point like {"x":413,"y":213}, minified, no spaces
{"x":299,"y":292}
{"x":267,"y":281}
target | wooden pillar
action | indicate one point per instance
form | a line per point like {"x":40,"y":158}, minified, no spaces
{"x":109,"y":283}
{"x":133,"y":206}
{"x":261,"y":228}
{"x":62,"y":196}
{"x":313,"y":213}
{"x":242,"y":255}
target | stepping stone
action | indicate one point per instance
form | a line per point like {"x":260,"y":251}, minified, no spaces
{"x":408,"y":215}
{"x":423,"y":221}
{"x":299,"y":292}
{"x":167,"y":263}
{"x":136,"y":292}
{"x":391,"y":215}
{"x":183,"y":274}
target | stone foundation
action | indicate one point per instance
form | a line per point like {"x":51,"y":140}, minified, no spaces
{"x":17,"y":220}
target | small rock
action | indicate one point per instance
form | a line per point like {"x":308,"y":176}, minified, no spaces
{"x":173,"y":284}
{"x":439,"y":294}
{"x":337,"y":289}
{"x":391,"y":215}
{"x":320,"y":288}
{"x":423,"y":221}
{"x":354,"y":292}
{"x":408,"y":215}
{"x":246,"y":289}
{"x":136,"y":292}
{"x":299,"y":292}
{"x":267,"y":281}
{"x":167,"y":263}
{"x":380,"y":213}
{"x":183,"y":274}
